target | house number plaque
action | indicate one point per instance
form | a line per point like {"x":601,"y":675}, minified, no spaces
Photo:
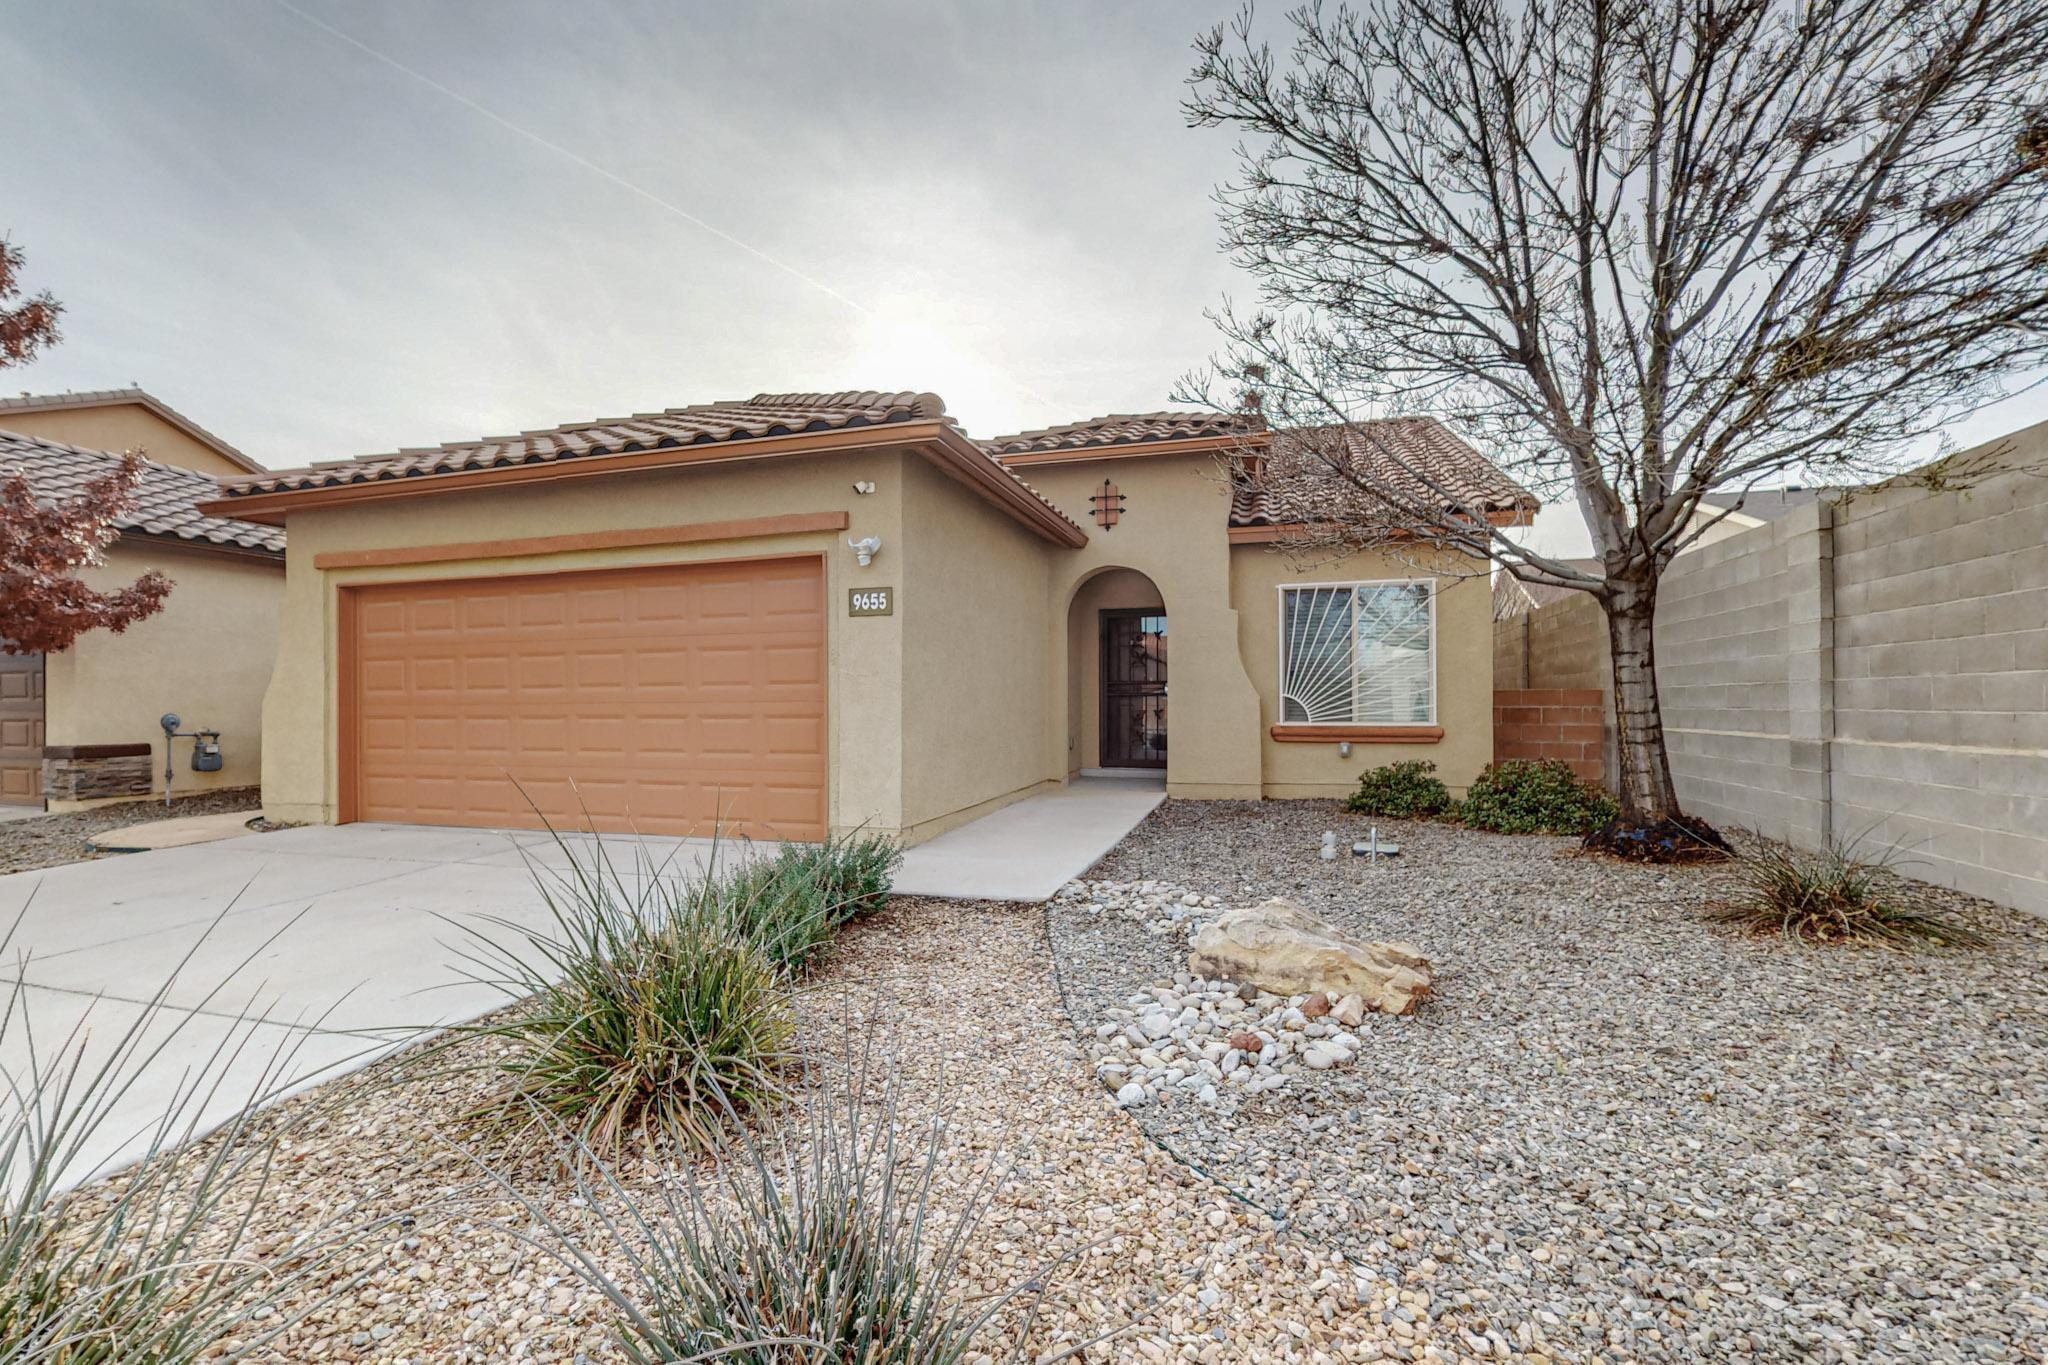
{"x":871,"y":601}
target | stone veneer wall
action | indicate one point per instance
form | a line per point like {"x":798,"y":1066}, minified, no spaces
{"x":87,"y":772}
{"x":1874,"y":668}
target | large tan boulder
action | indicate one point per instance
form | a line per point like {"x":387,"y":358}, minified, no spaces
{"x":1282,"y":948}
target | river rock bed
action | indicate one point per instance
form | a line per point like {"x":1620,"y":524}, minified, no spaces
{"x":1616,"y":1131}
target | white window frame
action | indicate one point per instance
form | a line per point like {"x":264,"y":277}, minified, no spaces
{"x":1280,"y":651}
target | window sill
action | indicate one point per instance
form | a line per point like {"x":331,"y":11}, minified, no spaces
{"x":1357,"y":734}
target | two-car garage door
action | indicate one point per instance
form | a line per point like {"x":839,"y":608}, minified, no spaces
{"x":662,"y":700}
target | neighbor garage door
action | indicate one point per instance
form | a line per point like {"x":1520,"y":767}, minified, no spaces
{"x":660,"y":699}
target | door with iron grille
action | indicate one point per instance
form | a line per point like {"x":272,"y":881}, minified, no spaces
{"x":1134,"y":689}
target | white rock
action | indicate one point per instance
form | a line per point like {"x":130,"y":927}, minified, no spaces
{"x":1131,"y":1096}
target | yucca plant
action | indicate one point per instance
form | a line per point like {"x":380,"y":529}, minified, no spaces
{"x":659,"y":995}
{"x":148,"y":1267}
{"x":1837,"y":895}
{"x":646,"y":1007}
{"x":821,"y":1244}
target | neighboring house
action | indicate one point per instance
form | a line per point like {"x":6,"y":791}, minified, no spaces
{"x":1719,"y":516}
{"x":124,"y":419}
{"x":664,"y":621}
{"x":80,"y":727}
{"x":1512,"y":597}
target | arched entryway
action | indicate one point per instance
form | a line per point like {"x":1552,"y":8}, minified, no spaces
{"x":1117,"y":667}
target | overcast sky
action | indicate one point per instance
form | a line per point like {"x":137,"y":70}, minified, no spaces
{"x":322,"y":229}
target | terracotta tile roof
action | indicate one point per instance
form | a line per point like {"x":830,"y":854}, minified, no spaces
{"x":1294,"y":483}
{"x":1125,"y":429}
{"x":101,"y":398}
{"x":765,"y":414}
{"x":166,"y":499}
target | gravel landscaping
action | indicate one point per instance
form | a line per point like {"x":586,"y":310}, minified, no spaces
{"x":961,"y":999}
{"x":1614,"y":1131}
{"x":51,"y":840}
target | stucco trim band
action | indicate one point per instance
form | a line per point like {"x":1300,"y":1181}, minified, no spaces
{"x":740,"y":528}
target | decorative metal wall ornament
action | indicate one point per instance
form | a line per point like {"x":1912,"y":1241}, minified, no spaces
{"x":1109,"y":505}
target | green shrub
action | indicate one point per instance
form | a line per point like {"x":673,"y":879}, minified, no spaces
{"x":822,"y":1245}
{"x":1407,"y":790}
{"x":1535,"y":796}
{"x":791,"y":904}
{"x":1836,"y":896}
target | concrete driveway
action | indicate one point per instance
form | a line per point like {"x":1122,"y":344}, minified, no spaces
{"x":333,"y":945}
{"x":307,"y":951}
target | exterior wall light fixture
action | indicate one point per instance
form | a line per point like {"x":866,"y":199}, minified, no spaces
{"x":865,"y":549}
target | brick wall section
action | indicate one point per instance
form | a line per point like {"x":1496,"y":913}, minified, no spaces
{"x":1876,"y":668}
{"x":1548,"y":722}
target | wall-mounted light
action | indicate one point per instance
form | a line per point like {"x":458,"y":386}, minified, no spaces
{"x":865,"y":549}
{"x":1344,"y":748}
{"x":863,"y":486}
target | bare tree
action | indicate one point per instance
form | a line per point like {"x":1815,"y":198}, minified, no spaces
{"x":1639,"y":251}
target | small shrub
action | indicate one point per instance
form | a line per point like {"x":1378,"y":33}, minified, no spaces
{"x":791,"y":904}
{"x":822,"y":1245}
{"x":1836,"y":896}
{"x":1535,"y":796}
{"x":1407,"y":790}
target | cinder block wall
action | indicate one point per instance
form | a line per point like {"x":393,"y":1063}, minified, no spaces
{"x":1566,"y":723}
{"x":1876,"y":667}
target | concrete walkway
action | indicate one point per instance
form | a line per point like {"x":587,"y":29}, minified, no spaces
{"x":310,"y":952}
{"x":1030,"y":849}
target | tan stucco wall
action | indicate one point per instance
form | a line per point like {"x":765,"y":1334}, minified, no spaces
{"x":123,"y":426}
{"x":976,"y":623}
{"x":1173,"y":532}
{"x":1108,"y":591}
{"x":1464,"y":667}
{"x":865,"y":681}
{"x":207,"y":655}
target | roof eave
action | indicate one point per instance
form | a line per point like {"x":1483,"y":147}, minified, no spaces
{"x":1125,"y":450}
{"x":1266,"y":532}
{"x":937,"y":438}
{"x":961,"y":458}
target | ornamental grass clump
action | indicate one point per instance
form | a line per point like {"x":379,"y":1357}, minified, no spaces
{"x":646,"y":1007}
{"x":1535,"y":796}
{"x":1408,"y":790}
{"x":659,"y":996}
{"x":823,"y":1243}
{"x":1835,"y":895}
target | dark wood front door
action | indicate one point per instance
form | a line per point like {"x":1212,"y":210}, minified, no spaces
{"x":21,"y":730}
{"x":1134,"y":689}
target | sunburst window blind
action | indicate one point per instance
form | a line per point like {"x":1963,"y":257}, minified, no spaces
{"x":1358,"y":654}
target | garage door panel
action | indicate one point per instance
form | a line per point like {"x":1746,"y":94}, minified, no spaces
{"x":653,"y":699}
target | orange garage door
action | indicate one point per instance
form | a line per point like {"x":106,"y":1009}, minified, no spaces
{"x":658,"y":700}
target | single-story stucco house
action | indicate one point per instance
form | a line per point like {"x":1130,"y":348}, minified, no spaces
{"x":80,"y":727}
{"x":812,"y":612}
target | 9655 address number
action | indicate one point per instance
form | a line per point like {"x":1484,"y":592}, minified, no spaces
{"x":871,"y":601}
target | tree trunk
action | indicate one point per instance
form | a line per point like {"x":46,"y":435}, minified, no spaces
{"x":1646,"y":792}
